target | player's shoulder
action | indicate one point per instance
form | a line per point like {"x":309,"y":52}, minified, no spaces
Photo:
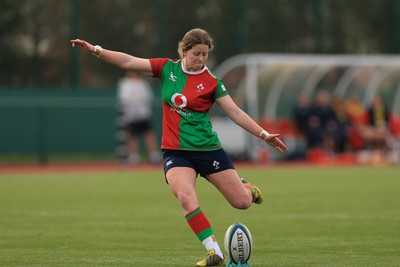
{"x":213,"y":76}
{"x":160,"y":64}
{"x":162,"y":61}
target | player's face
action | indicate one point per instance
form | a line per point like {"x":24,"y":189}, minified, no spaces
{"x":196,"y":58}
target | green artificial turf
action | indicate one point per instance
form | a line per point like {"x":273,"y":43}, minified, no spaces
{"x":311,"y":217}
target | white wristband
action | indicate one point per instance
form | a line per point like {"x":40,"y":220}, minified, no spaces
{"x":264,"y":134}
{"x":97,"y":50}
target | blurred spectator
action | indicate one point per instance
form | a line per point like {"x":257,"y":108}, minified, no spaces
{"x":341,"y":135}
{"x":134,"y":102}
{"x":323,"y":126}
{"x":378,"y":134}
{"x":357,"y":115}
{"x":379,"y":142}
{"x":302,"y":112}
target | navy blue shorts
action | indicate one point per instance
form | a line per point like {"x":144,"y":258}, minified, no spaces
{"x":203,"y":162}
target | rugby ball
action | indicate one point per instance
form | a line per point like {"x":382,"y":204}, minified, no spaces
{"x":238,"y":243}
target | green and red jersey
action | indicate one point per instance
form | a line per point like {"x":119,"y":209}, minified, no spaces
{"x":186,"y":101}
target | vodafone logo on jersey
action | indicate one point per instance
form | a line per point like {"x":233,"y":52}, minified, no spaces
{"x":179,"y":100}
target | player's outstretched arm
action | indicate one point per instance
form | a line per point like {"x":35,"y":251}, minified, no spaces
{"x":119,"y":59}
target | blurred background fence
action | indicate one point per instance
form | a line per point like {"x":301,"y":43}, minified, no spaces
{"x":38,"y":126}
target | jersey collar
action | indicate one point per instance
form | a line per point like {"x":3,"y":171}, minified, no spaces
{"x":192,"y":72}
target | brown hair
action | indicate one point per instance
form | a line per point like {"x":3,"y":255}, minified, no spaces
{"x":194,"y":37}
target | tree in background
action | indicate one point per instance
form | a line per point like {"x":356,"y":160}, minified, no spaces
{"x":34,"y":35}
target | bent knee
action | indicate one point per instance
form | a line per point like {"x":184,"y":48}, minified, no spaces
{"x":241,"y":203}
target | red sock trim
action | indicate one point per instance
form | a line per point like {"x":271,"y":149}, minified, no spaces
{"x":198,"y":222}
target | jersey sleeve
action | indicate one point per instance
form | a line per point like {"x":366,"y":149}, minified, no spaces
{"x":156,"y":66}
{"x":221,"y":90}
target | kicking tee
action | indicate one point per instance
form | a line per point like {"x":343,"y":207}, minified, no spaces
{"x":186,"y":101}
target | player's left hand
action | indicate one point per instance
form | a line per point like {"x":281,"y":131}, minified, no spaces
{"x":274,"y":141}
